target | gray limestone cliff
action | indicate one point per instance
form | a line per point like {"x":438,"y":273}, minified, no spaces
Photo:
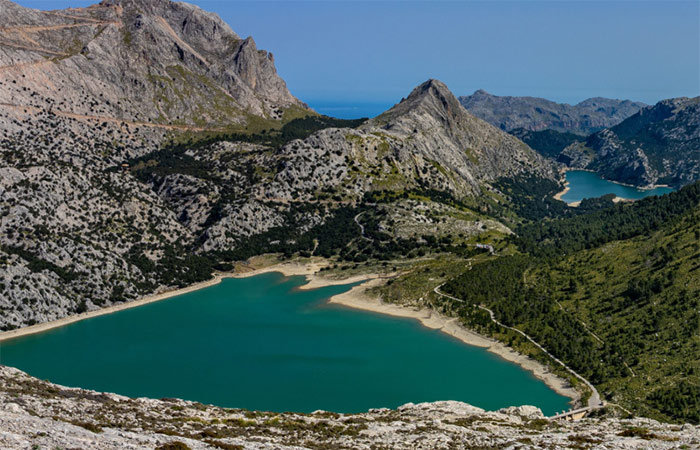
{"x":146,"y":61}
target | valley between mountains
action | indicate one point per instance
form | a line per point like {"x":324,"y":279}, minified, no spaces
{"x":145,"y":147}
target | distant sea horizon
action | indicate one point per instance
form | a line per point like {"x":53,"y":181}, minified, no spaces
{"x":348,"y":109}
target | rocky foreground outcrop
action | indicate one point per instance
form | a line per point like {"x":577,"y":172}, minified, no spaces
{"x":38,"y":414}
{"x":535,"y":114}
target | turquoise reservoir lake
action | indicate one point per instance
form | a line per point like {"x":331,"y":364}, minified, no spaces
{"x":261,"y":343}
{"x":584,"y":184}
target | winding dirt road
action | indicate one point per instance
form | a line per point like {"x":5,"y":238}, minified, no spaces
{"x":594,"y":401}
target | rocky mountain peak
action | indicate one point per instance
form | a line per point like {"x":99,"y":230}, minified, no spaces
{"x":431,"y":99}
{"x":139,"y":61}
{"x":481,"y":93}
{"x":435,"y":93}
{"x":431,"y":86}
{"x":433,"y":125}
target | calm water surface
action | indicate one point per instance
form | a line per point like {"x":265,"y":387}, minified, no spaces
{"x":260,"y":343}
{"x":584,"y":184}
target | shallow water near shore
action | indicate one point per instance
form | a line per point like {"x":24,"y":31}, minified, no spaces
{"x":584,"y":184}
{"x":261,"y":343}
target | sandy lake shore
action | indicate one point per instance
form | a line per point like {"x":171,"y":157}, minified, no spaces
{"x":357,"y":298}
{"x":287,"y":269}
{"x":567,"y":188}
{"x":559,"y":195}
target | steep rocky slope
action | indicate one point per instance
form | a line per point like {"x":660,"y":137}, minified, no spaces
{"x":82,"y":91}
{"x":141,"y":61}
{"x":68,"y":219}
{"x":432,"y":124}
{"x":38,"y":413}
{"x":89,"y":232}
{"x":658,"y":145}
{"x":427,"y":139}
{"x":425,"y":142}
{"x":535,"y":114}
{"x":142,"y":142}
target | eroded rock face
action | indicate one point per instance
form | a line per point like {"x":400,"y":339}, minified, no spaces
{"x":85,"y":91}
{"x":69,"y":219}
{"x":535,"y":114}
{"x":35,"y":412}
{"x":151,"y":61}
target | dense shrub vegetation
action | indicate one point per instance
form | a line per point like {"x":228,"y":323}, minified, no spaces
{"x":618,"y":221}
{"x":37,"y":264}
{"x":300,"y":128}
{"x":531,"y":197}
{"x":499,"y":284}
{"x":682,"y":400}
{"x":613,"y":292}
{"x":548,"y":143}
{"x":174,"y":157}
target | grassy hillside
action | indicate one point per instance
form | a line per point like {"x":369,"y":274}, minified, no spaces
{"x":641,"y":297}
{"x":614,"y":293}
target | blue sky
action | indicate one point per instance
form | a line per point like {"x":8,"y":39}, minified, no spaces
{"x":376,"y":52}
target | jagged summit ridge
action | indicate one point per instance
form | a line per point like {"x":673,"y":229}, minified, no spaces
{"x":432,"y":123}
{"x":195,"y":17}
{"x":148,"y":61}
{"x":430,"y":87}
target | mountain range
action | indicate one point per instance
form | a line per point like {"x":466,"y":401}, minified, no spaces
{"x":145,"y":146}
{"x":536,"y":114}
{"x":127,"y":165}
{"x":623,"y":141}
